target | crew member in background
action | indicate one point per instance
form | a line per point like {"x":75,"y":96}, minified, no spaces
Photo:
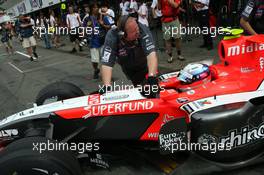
{"x":44,"y":24}
{"x":143,"y":13}
{"x":171,"y":26}
{"x":133,"y":8}
{"x":6,"y":38}
{"x":73,"y":21}
{"x":252,"y":18}
{"x":26,"y":31}
{"x":54,"y":24}
{"x":86,"y":12}
{"x":202,"y":8}
{"x":94,"y":39}
{"x":156,"y":20}
{"x":107,"y":16}
{"x":123,"y":7}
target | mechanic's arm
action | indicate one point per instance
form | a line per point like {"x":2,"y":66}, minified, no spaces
{"x":108,"y":57}
{"x":152,"y":64}
{"x":246,"y":16}
{"x":106,"y":75}
{"x":245,"y":25}
{"x":149,"y":48}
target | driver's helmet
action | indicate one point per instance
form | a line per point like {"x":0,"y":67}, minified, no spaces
{"x":194,"y":72}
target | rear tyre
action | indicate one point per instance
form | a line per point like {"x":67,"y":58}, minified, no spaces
{"x":22,"y":158}
{"x":58,"y":91}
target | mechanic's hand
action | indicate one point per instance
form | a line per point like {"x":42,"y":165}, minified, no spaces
{"x":151,"y":88}
{"x":104,"y":89}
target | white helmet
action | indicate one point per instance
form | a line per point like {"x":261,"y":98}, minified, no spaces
{"x":194,"y":72}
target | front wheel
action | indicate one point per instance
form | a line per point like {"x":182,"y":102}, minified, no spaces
{"x":58,"y":91}
{"x":22,"y":158}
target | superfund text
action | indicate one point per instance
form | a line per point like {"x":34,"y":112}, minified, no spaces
{"x":108,"y":109}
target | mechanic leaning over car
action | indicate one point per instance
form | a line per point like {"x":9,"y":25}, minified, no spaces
{"x":132,"y":46}
{"x":252,"y":18}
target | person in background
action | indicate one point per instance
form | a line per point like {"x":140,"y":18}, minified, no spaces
{"x":202,"y":8}
{"x":107,"y":16}
{"x":53,"y":25}
{"x":171,"y":26}
{"x":73,"y":21}
{"x":123,"y":7}
{"x":86,"y":12}
{"x":6,"y":38}
{"x":133,"y":8}
{"x":45,"y":27}
{"x":37,"y":24}
{"x":80,"y":12}
{"x":143,"y":13}
{"x":156,"y":20}
{"x":252,"y":18}
{"x":94,"y":38}
{"x":28,"y":40}
{"x":86,"y":17}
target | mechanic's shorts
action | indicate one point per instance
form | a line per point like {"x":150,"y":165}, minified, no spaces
{"x":95,"y":55}
{"x":171,"y":30}
{"x":74,"y":35}
{"x":29,"y":42}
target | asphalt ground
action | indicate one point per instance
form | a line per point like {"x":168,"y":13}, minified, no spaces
{"x":21,"y":80}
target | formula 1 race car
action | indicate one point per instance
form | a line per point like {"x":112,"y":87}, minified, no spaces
{"x":224,"y":108}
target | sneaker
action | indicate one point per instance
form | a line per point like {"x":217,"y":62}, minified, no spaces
{"x":35,"y":54}
{"x":181,"y":58}
{"x":73,"y":50}
{"x":96,"y":74}
{"x":33,"y":58}
{"x":170,"y":60}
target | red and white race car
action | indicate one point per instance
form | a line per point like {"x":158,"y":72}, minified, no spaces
{"x":225,"y":110}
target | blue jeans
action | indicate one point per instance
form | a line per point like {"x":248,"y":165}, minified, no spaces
{"x":47,"y":40}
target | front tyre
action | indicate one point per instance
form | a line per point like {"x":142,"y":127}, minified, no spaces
{"x":58,"y":91}
{"x":20,"y":158}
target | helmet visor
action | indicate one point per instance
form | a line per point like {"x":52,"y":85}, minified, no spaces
{"x":185,"y":76}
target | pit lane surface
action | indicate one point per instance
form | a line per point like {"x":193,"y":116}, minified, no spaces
{"x":21,"y":80}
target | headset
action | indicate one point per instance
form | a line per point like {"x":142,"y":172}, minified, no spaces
{"x":121,"y":25}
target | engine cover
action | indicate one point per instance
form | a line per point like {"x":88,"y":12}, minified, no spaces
{"x":238,"y":127}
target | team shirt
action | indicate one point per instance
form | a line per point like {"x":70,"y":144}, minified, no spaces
{"x":254,"y":12}
{"x":114,"y":50}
